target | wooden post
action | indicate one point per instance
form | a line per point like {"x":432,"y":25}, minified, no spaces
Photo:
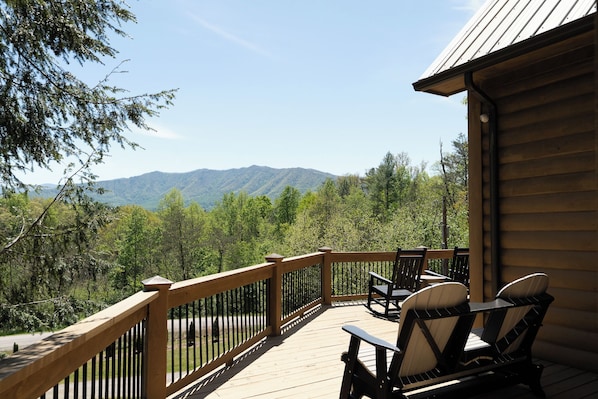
{"x":275,"y":294}
{"x":154,"y":382}
{"x":326,"y":276}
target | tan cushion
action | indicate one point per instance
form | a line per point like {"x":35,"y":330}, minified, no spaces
{"x":530,"y":285}
{"x":527,"y":286}
{"x":418,"y":356}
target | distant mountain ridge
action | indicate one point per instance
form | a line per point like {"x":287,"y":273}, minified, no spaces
{"x":206,"y":186}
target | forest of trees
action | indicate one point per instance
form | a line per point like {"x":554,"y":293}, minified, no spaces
{"x":80,"y":256}
{"x":66,"y":257}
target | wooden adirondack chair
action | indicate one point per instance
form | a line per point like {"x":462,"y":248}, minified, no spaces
{"x":508,"y":335}
{"x":405,"y":280}
{"x":436,"y":345}
{"x":423,"y":344}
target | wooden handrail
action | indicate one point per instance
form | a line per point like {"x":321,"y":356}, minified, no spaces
{"x":203,"y":287}
{"x":57,"y":356}
{"x":34,"y":370}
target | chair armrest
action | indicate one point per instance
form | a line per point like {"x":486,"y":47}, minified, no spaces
{"x":478,"y":307}
{"x":432,"y":273}
{"x":370,"y":339}
{"x":374,"y":275}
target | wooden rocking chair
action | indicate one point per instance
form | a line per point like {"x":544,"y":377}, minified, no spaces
{"x":458,"y":269}
{"x":405,"y":280}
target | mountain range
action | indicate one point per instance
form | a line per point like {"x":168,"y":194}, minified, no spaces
{"x":206,"y":186}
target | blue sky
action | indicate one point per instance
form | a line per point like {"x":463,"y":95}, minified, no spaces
{"x":320,"y":84}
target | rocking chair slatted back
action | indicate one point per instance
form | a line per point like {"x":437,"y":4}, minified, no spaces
{"x":408,"y":268}
{"x":459,"y":268}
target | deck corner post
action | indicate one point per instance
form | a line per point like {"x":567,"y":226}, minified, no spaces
{"x":154,"y":381}
{"x":275,"y":294}
{"x":326,"y":276}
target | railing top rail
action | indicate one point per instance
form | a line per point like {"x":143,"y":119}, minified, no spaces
{"x":359,"y":256}
{"x":202,"y":287}
{"x":439,"y":253}
{"x":301,"y":261}
{"x":65,"y":350}
{"x":59,"y":355}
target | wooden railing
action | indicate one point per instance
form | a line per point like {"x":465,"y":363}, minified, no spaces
{"x":157,"y":341}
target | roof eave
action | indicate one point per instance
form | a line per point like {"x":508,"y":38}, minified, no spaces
{"x":451,"y":81}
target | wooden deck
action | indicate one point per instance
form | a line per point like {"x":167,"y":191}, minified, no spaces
{"x":305,"y":362}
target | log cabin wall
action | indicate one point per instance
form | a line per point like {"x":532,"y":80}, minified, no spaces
{"x":547,"y":187}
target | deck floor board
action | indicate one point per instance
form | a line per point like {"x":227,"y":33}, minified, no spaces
{"x":304,"y":362}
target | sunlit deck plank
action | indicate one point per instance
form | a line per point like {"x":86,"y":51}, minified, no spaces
{"x":305,"y":363}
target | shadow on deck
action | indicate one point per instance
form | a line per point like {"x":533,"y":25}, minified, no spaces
{"x":304,"y":362}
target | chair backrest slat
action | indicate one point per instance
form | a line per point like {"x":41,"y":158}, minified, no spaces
{"x":407,"y":269}
{"x":459,"y":268}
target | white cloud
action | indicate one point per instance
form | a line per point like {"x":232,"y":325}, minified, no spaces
{"x":230,"y":37}
{"x":470,"y":6}
{"x":159,"y":132}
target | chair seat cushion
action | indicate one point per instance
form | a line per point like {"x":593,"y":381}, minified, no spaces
{"x":396,"y":294}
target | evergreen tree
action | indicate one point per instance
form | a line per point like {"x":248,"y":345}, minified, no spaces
{"x":285,"y":206}
{"x":47,"y":114}
{"x":134,"y":250}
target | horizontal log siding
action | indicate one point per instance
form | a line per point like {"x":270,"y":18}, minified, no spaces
{"x":548,"y":195}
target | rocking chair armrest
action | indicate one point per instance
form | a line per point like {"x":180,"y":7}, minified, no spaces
{"x":374,"y":275}
{"x":370,"y":339}
{"x":432,"y":273}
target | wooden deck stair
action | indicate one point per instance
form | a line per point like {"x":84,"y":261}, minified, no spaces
{"x":304,"y":362}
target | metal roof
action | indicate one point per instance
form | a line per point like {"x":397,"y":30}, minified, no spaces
{"x":503,"y":23}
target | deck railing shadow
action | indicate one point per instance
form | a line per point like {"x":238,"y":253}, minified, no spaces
{"x":210,"y":383}
{"x":160,"y":340}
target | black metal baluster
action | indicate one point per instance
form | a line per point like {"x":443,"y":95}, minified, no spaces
{"x":257,"y":307}
{"x":235,"y":314}
{"x":129,"y":356}
{"x":239,"y":315}
{"x":84,"y":380}
{"x":172,"y":344}
{"x":101,"y":374}
{"x":253,"y":307}
{"x":214,"y":328}
{"x":66,"y":386}
{"x":138,"y":365}
{"x":113,"y":371}
{"x":134,"y":372}
{"x":76,"y":384}
{"x":119,"y":373}
{"x":186,"y":337}
{"x":193,"y":331}
{"x":220,"y":319}
{"x":93,"y":377}
{"x":180,"y":335}
{"x":227,"y":309}
{"x":202,"y":331}
{"x":265,"y":303}
{"x":225,"y":322}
